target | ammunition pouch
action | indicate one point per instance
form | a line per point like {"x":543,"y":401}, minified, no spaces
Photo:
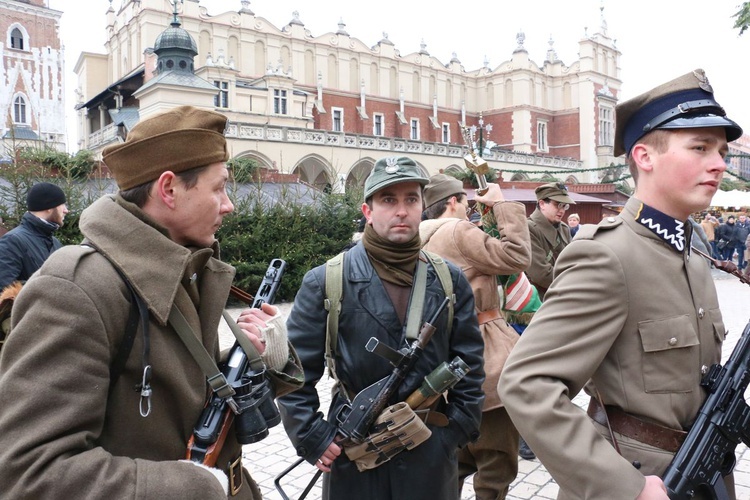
{"x":396,"y":429}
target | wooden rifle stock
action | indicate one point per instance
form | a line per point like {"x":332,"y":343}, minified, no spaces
{"x":212,"y":428}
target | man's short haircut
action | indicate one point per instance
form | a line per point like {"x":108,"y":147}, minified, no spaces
{"x":657,"y":139}
{"x":139,"y":195}
{"x":438,"y":208}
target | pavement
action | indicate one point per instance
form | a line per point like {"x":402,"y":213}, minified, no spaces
{"x":268,"y":458}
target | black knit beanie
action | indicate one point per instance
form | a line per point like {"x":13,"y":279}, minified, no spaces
{"x":44,"y":196}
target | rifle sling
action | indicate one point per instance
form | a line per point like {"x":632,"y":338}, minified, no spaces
{"x":216,"y":379}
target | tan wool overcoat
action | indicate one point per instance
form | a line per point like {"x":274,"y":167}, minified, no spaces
{"x":62,"y":435}
{"x":481,"y":258}
{"x":641,"y":320}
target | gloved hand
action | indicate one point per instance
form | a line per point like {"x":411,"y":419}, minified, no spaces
{"x":218,"y":474}
{"x":276,"y":354}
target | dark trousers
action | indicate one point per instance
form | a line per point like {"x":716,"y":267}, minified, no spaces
{"x":727,"y":253}
{"x":493,"y":459}
{"x":741,"y":255}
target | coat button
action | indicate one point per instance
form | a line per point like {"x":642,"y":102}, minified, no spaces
{"x":701,"y":313}
{"x":673,"y":341}
{"x":610,"y":219}
{"x":193,"y":278}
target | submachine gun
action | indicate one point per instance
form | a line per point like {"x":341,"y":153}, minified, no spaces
{"x":723,"y":421}
{"x":356,"y":419}
{"x":251,"y":402}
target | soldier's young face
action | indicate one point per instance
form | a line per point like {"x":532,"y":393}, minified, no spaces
{"x":200,"y":210}
{"x":687,"y":174}
{"x":396,"y":211}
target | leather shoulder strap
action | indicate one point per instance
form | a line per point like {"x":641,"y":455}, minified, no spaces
{"x":332,"y":304}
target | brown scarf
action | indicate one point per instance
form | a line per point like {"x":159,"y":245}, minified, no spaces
{"x":394,"y":263}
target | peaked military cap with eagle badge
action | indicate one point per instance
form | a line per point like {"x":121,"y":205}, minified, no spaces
{"x":685,"y":102}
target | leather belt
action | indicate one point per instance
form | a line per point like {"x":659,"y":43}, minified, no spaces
{"x":487,"y":316}
{"x":234,"y":473}
{"x":634,"y":428}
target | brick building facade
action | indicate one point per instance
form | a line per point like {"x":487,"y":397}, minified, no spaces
{"x":32,"y":89}
{"x":327,"y":106}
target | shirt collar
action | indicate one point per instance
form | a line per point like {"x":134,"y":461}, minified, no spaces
{"x":669,"y":229}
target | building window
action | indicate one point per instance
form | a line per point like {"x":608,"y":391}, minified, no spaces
{"x":414,"y":129}
{"x":19,"y":110}
{"x":541,"y":136}
{"x":606,"y":126}
{"x":446,"y":133}
{"x":377,"y":124}
{"x":337,"y":114}
{"x":221,"y":100}
{"x":16,"y":39}
{"x":279,"y":101}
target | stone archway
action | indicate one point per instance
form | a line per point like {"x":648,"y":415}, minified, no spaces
{"x":358,"y":174}
{"x":315,"y":171}
{"x":571,"y":179}
{"x":519,"y":176}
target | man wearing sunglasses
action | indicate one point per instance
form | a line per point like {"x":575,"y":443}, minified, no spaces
{"x":549,"y":234}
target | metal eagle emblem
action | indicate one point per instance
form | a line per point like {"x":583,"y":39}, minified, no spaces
{"x":703,"y":83}
{"x":391,"y":165}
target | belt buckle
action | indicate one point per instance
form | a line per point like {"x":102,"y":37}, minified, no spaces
{"x":235,"y":476}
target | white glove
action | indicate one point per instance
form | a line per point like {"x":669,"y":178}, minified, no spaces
{"x":276,"y":354}
{"x":218,"y":474}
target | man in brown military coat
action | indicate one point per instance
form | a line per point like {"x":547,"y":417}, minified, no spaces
{"x":631,"y":309}
{"x":549,"y":234}
{"x":448,"y":233}
{"x":67,"y":430}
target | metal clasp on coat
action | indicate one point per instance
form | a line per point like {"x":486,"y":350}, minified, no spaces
{"x":145,"y":388}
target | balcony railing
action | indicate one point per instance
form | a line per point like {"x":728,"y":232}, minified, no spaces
{"x":272,"y":133}
{"x":103,"y":136}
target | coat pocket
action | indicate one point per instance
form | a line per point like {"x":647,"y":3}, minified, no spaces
{"x":719,"y":331}
{"x":670,"y":351}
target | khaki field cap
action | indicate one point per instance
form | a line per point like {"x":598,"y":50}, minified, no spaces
{"x":392,"y":170}
{"x":554,"y":191}
{"x":441,"y":186}
{"x":178,"y":140}
{"x":685,"y":102}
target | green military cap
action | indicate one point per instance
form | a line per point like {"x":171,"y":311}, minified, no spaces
{"x":441,"y":186}
{"x":554,"y":191}
{"x":685,"y":102}
{"x":393,"y":170}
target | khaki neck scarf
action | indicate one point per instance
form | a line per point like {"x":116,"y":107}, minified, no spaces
{"x":394,"y":263}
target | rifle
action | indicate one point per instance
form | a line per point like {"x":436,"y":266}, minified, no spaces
{"x":356,"y":419}
{"x":723,"y":422}
{"x":251,"y":401}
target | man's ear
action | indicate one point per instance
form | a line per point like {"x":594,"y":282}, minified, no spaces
{"x":165,"y":187}
{"x":643,"y":157}
{"x":367,"y":212}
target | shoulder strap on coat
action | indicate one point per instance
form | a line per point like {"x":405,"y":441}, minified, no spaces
{"x":334,"y":296}
{"x":444,"y":275}
{"x":332,"y":303}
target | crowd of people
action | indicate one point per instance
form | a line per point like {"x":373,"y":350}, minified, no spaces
{"x":622,"y":312}
{"x":729,"y":236}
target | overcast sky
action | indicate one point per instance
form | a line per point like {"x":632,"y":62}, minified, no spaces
{"x":659,"y":39}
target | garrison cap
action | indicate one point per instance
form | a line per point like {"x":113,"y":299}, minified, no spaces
{"x":180,"y":139}
{"x":393,"y":170}
{"x":441,"y":186}
{"x":685,"y":102}
{"x":554,"y":191}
